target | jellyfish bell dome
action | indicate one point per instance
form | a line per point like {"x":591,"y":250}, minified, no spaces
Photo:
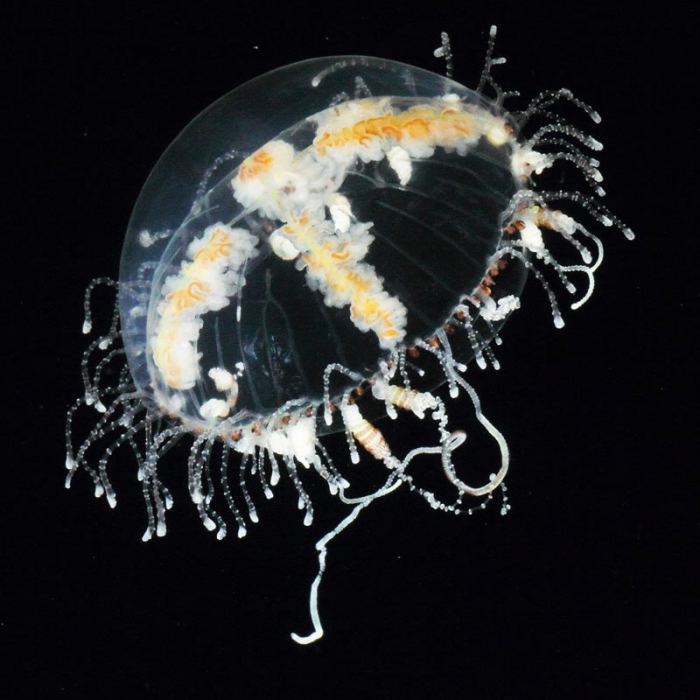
{"x":428,"y":233}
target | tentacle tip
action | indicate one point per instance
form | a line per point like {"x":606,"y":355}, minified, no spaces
{"x":455,"y":440}
{"x":308,"y":639}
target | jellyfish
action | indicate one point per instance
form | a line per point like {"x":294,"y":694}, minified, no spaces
{"x":328,"y":246}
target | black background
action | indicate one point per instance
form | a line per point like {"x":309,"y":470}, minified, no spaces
{"x":585,"y":589}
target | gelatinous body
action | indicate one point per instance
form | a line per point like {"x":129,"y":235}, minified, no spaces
{"x":326,"y":245}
